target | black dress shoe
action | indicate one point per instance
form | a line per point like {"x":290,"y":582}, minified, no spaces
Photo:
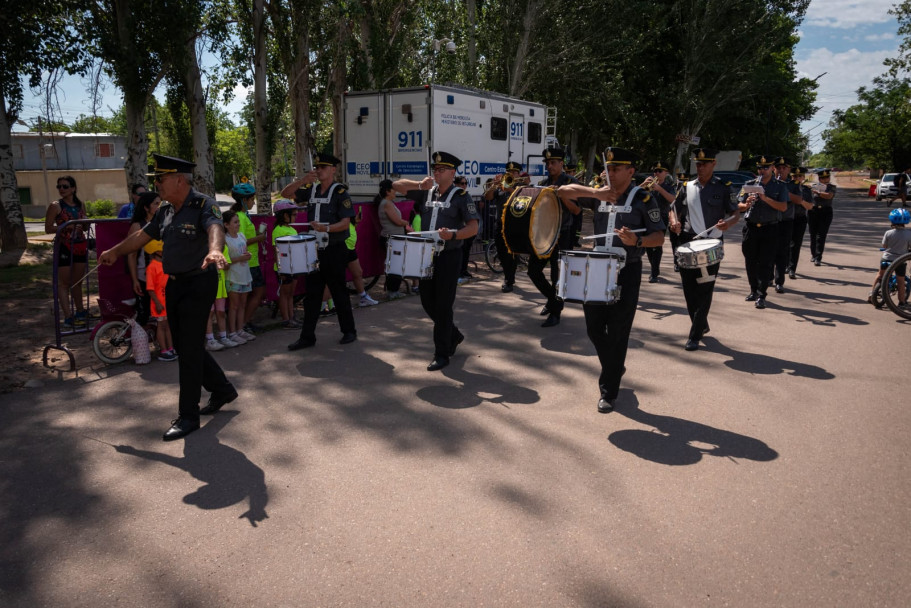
{"x":817,"y":262}
{"x":792,"y":275}
{"x":653,"y":279}
{"x":438,"y":364}
{"x":605,"y":406}
{"x":506,"y":287}
{"x":301,"y":344}
{"x":216,"y":401}
{"x":752,"y":297}
{"x":544,"y":312}
{"x":691,"y":345}
{"x":760,"y":302}
{"x":348,"y":338}
{"x":455,"y":343}
{"x":551,"y":320}
{"x":779,"y":288}
{"x":180,"y":427}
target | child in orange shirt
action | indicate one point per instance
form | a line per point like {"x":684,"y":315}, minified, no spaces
{"x":156,"y":280}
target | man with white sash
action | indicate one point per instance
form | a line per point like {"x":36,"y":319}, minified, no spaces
{"x":449,"y":214}
{"x":329,"y":211}
{"x":638,"y":226}
{"x":704,"y":208}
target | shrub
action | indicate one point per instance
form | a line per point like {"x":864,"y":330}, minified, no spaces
{"x":100,"y":208}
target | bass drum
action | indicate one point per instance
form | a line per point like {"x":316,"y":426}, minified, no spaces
{"x":531,"y":221}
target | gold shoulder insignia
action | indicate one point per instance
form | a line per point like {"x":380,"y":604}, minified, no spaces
{"x":647,"y":198}
{"x":462,"y":192}
{"x":727,"y":183}
{"x":341,"y":190}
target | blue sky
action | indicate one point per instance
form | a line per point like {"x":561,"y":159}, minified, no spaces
{"x":847,"y":40}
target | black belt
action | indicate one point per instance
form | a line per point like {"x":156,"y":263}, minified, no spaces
{"x":760,"y":225}
{"x":180,"y":276}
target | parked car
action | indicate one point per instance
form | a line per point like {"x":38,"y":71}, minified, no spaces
{"x":886,"y":187}
{"x":737,"y":178}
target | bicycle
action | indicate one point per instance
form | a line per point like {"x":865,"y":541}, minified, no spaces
{"x":112,"y":338}
{"x":888,"y":288}
{"x":492,"y":257}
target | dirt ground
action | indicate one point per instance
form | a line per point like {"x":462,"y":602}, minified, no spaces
{"x":29,"y":327}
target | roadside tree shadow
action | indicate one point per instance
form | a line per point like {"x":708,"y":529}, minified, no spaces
{"x":819,"y":317}
{"x":475,"y":390}
{"x":228,"y":476}
{"x":755,"y":363}
{"x":678,"y":442}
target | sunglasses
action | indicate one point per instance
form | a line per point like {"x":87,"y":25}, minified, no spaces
{"x":63,"y":187}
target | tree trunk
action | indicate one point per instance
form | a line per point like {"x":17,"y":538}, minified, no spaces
{"x":299,"y":94}
{"x":338,"y":85}
{"x":137,"y":162}
{"x":12,"y":224}
{"x":366,"y":35}
{"x":260,"y":110}
{"x":532,"y":11}
{"x":196,"y":106}
{"x":472,"y":42}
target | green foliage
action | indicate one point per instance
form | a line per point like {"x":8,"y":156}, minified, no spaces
{"x":100,"y":208}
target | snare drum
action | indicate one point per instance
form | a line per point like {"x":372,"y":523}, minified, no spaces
{"x":297,"y":254}
{"x":589,"y":277}
{"x":531,"y":221}
{"x":700,"y":253}
{"x":410,"y":257}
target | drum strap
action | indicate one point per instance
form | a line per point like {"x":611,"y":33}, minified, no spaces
{"x":437,"y":204}
{"x":694,"y":210}
{"x":705,"y":277}
{"x":320,"y":201}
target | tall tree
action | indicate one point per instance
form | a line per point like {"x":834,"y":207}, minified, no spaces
{"x":37,"y":37}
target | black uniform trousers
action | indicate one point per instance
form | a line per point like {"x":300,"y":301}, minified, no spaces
{"x":818,"y":221}
{"x":800,"y":228}
{"x":188,"y":300}
{"x":438,"y":296}
{"x":333,"y":260}
{"x":536,"y":273}
{"x":507,"y":260}
{"x":698,"y":290}
{"x":783,"y":254}
{"x":655,"y":253}
{"x":393,"y":281}
{"x":565,"y":242}
{"x":608,"y":327}
{"x":466,"y":254}
{"x":759,"y":246}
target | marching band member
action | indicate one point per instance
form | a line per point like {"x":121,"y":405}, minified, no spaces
{"x":609,"y":325}
{"x":498,"y":194}
{"x":800,"y":220}
{"x":701,"y":204}
{"x":786,"y":225}
{"x":762,"y":212}
{"x":664,"y":196}
{"x":329,"y":210}
{"x":553,"y":163}
{"x":819,"y":218}
{"x":452,"y":213}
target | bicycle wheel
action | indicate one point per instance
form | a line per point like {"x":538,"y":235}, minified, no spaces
{"x":491,"y":257}
{"x":112,"y":343}
{"x":877,"y":296}
{"x":889,"y":287}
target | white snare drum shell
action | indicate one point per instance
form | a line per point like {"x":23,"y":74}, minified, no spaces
{"x":410,"y":257}
{"x":297,"y":254}
{"x":700,"y":253}
{"x":588,"y":277}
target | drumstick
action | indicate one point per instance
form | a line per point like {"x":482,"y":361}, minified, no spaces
{"x":601,"y":236}
{"x":707,"y":230}
{"x":85,"y":276}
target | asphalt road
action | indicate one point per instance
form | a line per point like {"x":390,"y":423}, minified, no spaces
{"x":767,"y":469}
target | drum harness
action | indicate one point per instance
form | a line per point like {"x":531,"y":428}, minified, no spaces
{"x":437,"y":205}
{"x":322,"y":238}
{"x":697,"y":223}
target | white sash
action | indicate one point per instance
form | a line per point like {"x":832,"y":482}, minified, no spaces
{"x":694,"y":209}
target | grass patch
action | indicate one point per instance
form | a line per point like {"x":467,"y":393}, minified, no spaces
{"x":27,"y":281}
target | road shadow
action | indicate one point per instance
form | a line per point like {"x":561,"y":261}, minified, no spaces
{"x":475,"y":390}
{"x":678,"y":442}
{"x":754,"y":363}
{"x":818,"y":317}
{"x":228,"y":476}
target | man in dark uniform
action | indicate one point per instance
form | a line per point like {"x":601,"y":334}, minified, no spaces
{"x":762,"y":212}
{"x":452,"y":214}
{"x":497,"y":195}
{"x":664,"y":196}
{"x":800,"y":220}
{"x":608,"y":326}
{"x":700,"y":204}
{"x":329,"y":211}
{"x":786,"y":225}
{"x":553,"y":163}
{"x":190,"y":225}
{"x":819,"y":218}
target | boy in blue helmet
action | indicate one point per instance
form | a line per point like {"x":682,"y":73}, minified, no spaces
{"x":896,"y":242}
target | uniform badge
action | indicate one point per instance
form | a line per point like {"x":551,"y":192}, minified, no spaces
{"x":472,"y":209}
{"x":216,"y":211}
{"x":654,"y":215}
{"x":347,"y":203}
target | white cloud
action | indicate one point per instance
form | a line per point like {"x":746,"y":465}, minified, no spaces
{"x":848,"y":13}
{"x":878,"y":37}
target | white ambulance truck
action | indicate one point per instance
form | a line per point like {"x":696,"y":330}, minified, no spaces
{"x":390,"y":135}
